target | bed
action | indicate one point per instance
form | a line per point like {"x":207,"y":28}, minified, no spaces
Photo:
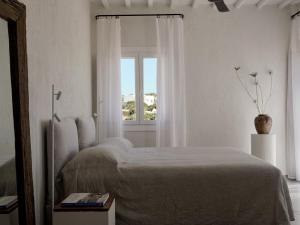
{"x":188,"y":186}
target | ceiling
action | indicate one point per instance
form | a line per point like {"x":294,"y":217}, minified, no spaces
{"x":191,"y":3}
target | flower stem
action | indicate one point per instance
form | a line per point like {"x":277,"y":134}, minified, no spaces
{"x":262,"y":98}
{"x":270,"y":93}
{"x":245,"y":87}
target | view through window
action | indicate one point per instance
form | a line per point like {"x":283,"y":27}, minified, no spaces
{"x":138,"y":75}
{"x":128,"y":88}
{"x":150,"y":93}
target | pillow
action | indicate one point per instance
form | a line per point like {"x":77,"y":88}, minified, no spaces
{"x":95,"y":156}
{"x":65,"y":143}
{"x":120,"y":142}
{"x":86,"y":132}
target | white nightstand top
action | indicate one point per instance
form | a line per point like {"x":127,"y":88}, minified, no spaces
{"x":263,"y":135}
{"x":106,"y":207}
{"x":85,"y":215}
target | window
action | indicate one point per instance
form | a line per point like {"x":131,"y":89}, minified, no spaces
{"x":128,"y":88}
{"x":150,"y":96}
{"x":138,"y":86}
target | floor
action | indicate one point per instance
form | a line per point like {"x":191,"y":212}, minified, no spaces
{"x":294,"y":188}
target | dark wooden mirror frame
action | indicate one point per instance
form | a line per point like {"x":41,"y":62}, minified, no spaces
{"x":14,"y":13}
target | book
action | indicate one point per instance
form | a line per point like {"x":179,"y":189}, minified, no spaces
{"x":85,"y":200}
{"x":7,"y":201}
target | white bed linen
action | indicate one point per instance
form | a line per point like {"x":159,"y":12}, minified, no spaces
{"x":169,"y":186}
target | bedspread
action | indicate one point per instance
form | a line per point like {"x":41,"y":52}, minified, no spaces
{"x":182,"y":186}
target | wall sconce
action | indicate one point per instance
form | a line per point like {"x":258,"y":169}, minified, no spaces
{"x":55,"y":97}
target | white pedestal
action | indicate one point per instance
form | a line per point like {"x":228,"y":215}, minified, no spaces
{"x":264,"y":146}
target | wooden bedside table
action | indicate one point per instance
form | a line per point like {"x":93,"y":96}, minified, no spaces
{"x":9,"y":216}
{"x":85,"y":215}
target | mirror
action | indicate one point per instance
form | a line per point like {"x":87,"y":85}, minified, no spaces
{"x":8,"y":187}
{"x":16,"y":186}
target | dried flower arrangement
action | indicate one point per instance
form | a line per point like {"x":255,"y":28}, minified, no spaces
{"x":258,"y":97}
{"x":263,"y":122}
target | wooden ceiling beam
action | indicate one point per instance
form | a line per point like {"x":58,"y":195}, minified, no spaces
{"x":105,"y":3}
{"x":150,"y":3}
{"x":128,"y":3}
{"x":172,"y":3}
{"x":238,"y":4}
{"x":195,"y":4}
{"x":261,"y":3}
{"x":284,"y":4}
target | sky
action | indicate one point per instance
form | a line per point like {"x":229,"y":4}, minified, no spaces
{"x":128,"y":75}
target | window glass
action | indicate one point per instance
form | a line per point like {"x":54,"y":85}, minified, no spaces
{"x":128,"y":88}
{"x":150,"y":92}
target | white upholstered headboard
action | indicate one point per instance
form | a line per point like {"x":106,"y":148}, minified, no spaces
{"x":65,"y":145}
{"x":70,"y":136}
{"x":65,"y":148}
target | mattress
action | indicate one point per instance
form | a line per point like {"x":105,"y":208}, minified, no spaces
{"x":184,"y":186}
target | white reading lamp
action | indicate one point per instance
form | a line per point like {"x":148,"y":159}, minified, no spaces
{"x":55,"y":97}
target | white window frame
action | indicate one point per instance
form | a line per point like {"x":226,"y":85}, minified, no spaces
{"x":137,"y":102}
{"x":141,"y":60}
{"x":139,"y":54}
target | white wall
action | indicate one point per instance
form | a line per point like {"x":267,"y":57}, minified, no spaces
{"x":138,"y":32}
{"x":219,"y":112}
{"x":7,"y":137}
{"x":59,"y":52}
{"x":218,"y":109}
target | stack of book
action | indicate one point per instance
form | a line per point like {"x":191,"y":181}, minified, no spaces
{"x":7,"y":201}
{"x":85,"y":200}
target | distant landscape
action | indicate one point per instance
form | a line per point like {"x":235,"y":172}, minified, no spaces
{"x":129,"y":107}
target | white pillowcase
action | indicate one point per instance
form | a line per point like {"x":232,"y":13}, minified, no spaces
{"x":86,"y":132}
{"x":120,"y":142}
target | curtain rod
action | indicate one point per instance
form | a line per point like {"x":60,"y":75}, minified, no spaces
{"x":157,"y":15}
{"x":296,"y":14}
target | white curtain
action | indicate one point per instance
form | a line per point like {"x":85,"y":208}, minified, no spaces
{"x":293,"y":103}
{"x":171,"y":108}
{"x":109,"y":120}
